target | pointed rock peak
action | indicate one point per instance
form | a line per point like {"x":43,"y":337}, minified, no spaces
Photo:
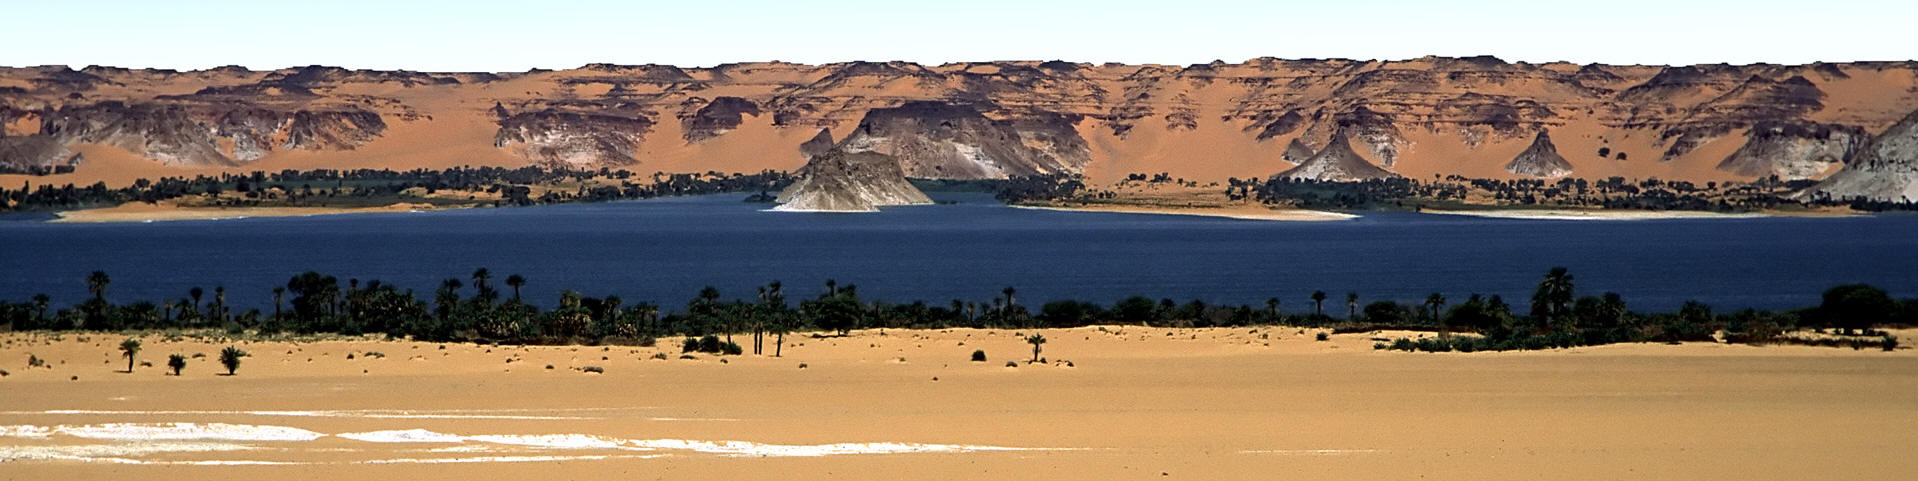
{"x":1541,"y":159}
{"x":1297,"y":152}
{"x":1337,"y":163}
{"x":819,"y":144}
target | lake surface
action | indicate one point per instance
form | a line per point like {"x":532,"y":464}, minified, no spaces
{"x":665,"y":250}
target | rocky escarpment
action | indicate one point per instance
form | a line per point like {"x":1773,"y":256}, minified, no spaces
{"x":35,"y":154}
{"x":717,"y":117}
{"x":574,"y":139}
{"x":202,"y":134}
{"x":1794,"y":150}
{"x":939,"y":140}
{"x":1337,"y":162}
{"x":1417,"y":117}
{"x":1541,"y":159}
{"x":842,"y":181}
{"x":1885,"y":169}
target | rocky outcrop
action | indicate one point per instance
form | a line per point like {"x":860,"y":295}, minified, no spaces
{"x":939,"y":140}
{"x":1793,"y":150}
{"x":841,"y":181}
{"x":717,"y":117}
{"x":1541,"y":159}
{"x":1296,"y":152}
{"x":819,"y":144}
{"x":1885,"y":169}
{"x":993,"y":119}
{"x":573,"y":139}
{"x":189,"y":134}
{"x":1337,"y":163}
{"x":34,"y":154}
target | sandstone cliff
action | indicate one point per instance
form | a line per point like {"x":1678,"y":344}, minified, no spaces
{"x":1886,"y":168}
{"x":1418,"y":117}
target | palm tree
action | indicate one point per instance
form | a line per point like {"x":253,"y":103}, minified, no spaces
{"x":176,"y":362}
{"x":219,"y":303}
{"x":278,"y":293}
{"x":1008,"y":291}
{"x":1436,"y":301}
{"x":480,"y":276}
{"x":97,"y":284}
{"x":1272,"y":305}
{"x":40,"y":303}
{"x":1035,"y":340}
{"x":1553,"y":294}
{"x":515,"y":281}
{"x":230,"y":357}
{"x":196,"y":292}
{"x":130,"y":348}
{"x":1351,"y":305}
{"x":832,"y":287}
{"x":1318,"y":302}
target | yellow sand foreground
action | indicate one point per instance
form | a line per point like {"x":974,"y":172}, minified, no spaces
{"x":1135,"y":403}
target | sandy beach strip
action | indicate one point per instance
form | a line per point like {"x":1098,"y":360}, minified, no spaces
{"x":1578,"y":214}
{"x":1221,"y":212}
{"x":138,"y":212}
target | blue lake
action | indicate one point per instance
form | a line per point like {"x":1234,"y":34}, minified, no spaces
{"x":665,"y":250}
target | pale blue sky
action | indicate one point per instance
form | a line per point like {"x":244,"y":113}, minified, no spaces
{"x":485,"y":35}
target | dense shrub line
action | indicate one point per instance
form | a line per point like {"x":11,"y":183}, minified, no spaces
{"x":477,"y":310}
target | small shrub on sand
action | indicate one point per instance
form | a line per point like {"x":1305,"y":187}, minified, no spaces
{"x":731,"y":349}
{"x":593,"y":369}
{"x":1011,"y":364}
{"x":1324,"y":337}
{"x":230,"y":357}
{"x":1890,"y":343}
{"x":35,"y":361}
{"x":802,"y":365}
{"x":660,"y":356}
{"x":176,"y":362}
{"x":979,"y":355}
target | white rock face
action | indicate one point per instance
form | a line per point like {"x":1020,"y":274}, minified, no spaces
{"x":1540,"y":160}
{"x":839,"y":181}
{"x":1337,"y":163}
{"x":1886,"y":168}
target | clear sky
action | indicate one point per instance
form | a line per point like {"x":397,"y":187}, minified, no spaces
{"x":488,"y":35}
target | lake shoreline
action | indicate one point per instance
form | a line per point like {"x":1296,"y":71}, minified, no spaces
{"x":1282,"y":215}
{"x":134,"y":212}
{"x":1624,"y":214}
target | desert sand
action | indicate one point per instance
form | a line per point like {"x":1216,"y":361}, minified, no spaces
{"x":1134,"y":403}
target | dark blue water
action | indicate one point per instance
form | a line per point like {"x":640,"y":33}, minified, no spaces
{"x":665,"y":250}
